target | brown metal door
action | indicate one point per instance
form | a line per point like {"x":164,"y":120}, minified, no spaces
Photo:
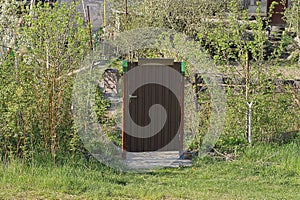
{"x":277,"y":17}
{"x":139,"y":104}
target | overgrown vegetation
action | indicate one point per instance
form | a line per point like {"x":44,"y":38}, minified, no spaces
{"x":45,"y":46}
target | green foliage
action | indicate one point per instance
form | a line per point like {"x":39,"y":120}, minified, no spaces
{"x":187,"y":16}
{"x":274,"y":111}
{"x":35,"y":85}
{"x":102,"y":104}
{"x":107,"y":121}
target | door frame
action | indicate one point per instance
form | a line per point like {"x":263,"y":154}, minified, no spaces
{"x":170,"y":63}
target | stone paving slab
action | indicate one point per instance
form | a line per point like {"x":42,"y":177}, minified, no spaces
{"x":157,"y":159}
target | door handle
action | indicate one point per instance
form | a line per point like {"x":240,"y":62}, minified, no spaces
{"x":132,"y":97}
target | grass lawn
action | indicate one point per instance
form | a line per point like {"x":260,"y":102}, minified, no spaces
{"x":260,"y":172}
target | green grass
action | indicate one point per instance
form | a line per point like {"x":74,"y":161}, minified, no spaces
{"x":260,"y":172}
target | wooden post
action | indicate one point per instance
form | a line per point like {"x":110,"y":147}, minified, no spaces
{"x":182,"y":117}
{"x":104,"y":14}
{"x":90,"y":27}
{"x":123,"y":118}
{"x":124,"y":97}
{"x":126,"y":13}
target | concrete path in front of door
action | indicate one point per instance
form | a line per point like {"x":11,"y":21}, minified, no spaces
{"x":154,"y":160}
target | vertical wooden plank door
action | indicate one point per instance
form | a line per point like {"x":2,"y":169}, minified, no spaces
{"x":169,"y":116}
